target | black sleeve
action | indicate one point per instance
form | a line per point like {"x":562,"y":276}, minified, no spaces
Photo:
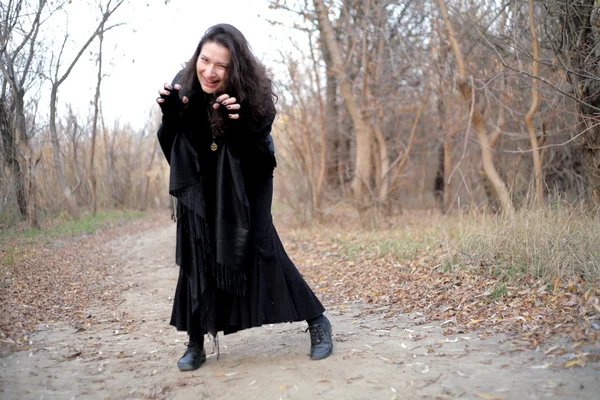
{"x":262,"y":128}
{"x":169,"y":126}
{"x":251,"y":140}
{"x":166,"y":137}
{"x":247,"y":130}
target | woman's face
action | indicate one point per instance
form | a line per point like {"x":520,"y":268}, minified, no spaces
{"x":211,"y":66}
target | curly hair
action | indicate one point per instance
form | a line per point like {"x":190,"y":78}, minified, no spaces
{"x":246,"y":78}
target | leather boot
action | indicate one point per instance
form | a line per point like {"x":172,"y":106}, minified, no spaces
{"x":321,"y":343}
{"x":193,"y":357}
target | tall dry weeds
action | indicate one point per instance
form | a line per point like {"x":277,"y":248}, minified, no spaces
{"x":550,"y":242}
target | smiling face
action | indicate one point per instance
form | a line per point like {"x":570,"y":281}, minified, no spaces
{"x":211,"y":66}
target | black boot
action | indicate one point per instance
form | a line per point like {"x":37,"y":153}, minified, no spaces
{"x":194,"y":355}
{"x":321,"y":344}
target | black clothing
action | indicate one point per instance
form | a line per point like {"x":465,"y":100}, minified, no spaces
{"x":235,"y":273}
{"x":321,"y":343}
{"x":194,"y":356}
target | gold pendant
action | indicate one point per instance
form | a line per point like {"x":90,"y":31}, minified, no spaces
{"x":214,"y":146}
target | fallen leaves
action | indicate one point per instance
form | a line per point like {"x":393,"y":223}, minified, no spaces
{"x":51,"y":282}
{"x":573,"y":363}
{"x":487,"y":396}
{"x":345,"y":268}
{"x":55,"y":282}
{"x":73,"y":356}
{"x":225,"y":373}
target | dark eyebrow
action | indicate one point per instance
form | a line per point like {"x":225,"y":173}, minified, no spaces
{"x":222,"y":64}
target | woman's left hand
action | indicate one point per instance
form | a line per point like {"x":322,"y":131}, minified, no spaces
{"x":230,"y":103}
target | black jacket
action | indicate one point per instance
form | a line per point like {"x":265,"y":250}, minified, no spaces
{"x":210,"y":187}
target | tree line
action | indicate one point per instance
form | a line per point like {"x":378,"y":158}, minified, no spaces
{"x":384,"y":105}
{"x":448,"y":103}
{"x":67,"y":162}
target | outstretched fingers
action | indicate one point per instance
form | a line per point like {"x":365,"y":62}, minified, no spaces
{"x":166,"y":91}
{"x":230,"y":103}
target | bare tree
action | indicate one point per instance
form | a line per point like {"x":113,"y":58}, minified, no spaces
{"x":379,"y":56}
{"x":57,"y":79}
{"x":74,"y":132}
{"x":334,"y":161}
{"x":362,"y":131}
{"x":91,"y":172}
{"x":576,"y":42}
{"x":535,"y":99}
{"x":110,"y":150}
{"x":303,"y":134}
{"x":19,"y":30}
{"x":476,"y":116}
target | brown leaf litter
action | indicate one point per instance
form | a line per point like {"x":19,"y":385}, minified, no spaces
{"x":56,"y":282}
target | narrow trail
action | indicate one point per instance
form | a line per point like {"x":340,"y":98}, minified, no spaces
{"x":129,"y":352}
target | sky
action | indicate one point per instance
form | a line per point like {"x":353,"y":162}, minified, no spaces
{"x":151,"y":47}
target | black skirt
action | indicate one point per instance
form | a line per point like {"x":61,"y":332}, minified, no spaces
{"x":275,"y":290}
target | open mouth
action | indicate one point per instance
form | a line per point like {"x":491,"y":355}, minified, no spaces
{"x":211,"y":84}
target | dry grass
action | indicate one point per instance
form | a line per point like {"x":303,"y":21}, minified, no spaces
{"x":543,"y":243}
{"x":534,"y":275}
{"x":553,"y":242}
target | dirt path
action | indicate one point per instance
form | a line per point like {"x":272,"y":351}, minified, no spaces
{"x":130,"y":352}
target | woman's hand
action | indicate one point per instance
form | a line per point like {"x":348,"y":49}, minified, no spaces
{"x":169,"y":100}
{"x":229,"y":104}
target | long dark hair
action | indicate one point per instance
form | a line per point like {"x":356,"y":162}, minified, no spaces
{"x":246,"y":78}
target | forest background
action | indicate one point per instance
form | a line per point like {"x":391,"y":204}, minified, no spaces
{"x":478,"y":122}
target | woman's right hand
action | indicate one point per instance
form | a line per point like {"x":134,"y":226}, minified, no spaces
{"x":169,"y":101}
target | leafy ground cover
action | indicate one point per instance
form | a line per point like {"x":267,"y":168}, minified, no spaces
{"x":433,"y":265}
{"x":425,"y":263}
{"x":52,"y":274}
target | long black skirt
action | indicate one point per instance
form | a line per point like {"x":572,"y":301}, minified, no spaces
{"x":276,"y":292}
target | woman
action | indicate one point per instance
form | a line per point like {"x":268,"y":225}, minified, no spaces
{"x":215,"y":134}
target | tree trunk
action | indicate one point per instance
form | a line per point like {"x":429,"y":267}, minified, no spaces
{"x":535,"y":99}
{"x":91,"y":173}
{"x":11,"y":158}
{"x":70,"y":200}
{"x":32,"y":192}
{"x":477,"y":118}
{"x":19,"y":186}
{"x":400,"y":162}
{"x":362,"y":132}
{"x":447,"y":171}
{"x":581,"y":43}
{"x":384,"y":157}
{"x":321,"y":166}
{"x":442,"y":189}
{"x":16,"y":67}
{"x":24,"y":162}
{"x":109,"y":151}
{"x":591,"y":157}
{"x":330,"y":115}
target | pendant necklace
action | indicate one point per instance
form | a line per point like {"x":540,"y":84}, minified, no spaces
{"x":213,"y":146}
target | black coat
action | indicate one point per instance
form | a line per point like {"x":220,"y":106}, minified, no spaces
{"x":235,"y":273}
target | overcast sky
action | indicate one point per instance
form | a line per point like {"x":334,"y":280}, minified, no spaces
{"x":151,"y":47}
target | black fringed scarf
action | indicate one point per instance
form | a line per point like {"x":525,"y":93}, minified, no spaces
{"x":223,"y":245}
